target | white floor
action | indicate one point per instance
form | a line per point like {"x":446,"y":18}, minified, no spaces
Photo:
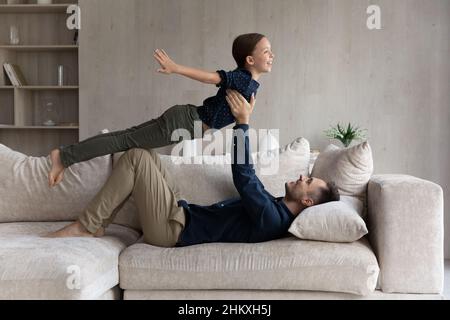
{"x":447,"y":280}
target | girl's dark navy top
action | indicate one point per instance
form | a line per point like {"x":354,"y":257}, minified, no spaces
{"x":215,"y":111}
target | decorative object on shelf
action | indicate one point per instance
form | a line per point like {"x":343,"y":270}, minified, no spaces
{"x":14,"y":38}
{"x":44,"y":1}
{"x":60,"y":75}
{"x":50,"y":114}
{"x":346,"y":135}
{"x":69,"y":124}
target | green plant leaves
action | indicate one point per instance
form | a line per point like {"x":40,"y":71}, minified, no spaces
{"x":346,"y":134}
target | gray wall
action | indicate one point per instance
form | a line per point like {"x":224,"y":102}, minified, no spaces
{"x":329,"y":67}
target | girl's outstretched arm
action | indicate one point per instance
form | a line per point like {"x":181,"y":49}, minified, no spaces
{"x":168,"y":66}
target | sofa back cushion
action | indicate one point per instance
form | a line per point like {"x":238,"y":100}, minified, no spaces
{"x":26,"y":197}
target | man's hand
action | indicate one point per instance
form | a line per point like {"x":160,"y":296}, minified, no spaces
{"x":239,"y":107}
{"x":167,"y":64}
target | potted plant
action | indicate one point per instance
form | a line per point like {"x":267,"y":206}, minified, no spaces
{"x":346,"y":134}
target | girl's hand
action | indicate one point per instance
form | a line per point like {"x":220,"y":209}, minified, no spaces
{"x":167,"y":65}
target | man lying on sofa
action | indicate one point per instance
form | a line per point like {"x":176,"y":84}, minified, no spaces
{"x":168,"y":221}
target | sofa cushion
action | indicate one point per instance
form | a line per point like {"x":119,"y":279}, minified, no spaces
{"x":334,"y":221}
{"x":350,"y":168}
{"x":285,"y":264}
{"x":33,"y":267}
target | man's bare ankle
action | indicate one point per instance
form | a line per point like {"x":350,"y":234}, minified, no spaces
{"x":99,"y":233}
{"x":81,"y":227}
{"x":56,"y":156}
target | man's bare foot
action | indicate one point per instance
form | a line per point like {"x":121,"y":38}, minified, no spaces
{"x":75,"y":229}
{"x":56,"y":173}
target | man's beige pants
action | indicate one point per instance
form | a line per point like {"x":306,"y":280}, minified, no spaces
{"x":139,"y":173}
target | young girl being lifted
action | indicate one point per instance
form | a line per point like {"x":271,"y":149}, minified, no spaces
{"x":253,"y":55}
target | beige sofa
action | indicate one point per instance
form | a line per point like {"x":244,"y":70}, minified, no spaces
{"x":401,"y":258}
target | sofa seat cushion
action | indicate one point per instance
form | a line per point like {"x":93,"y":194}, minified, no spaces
{"x":33,"y":267}
{"x":283,"y":264}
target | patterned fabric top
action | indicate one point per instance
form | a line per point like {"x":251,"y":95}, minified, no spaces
{"x":215,"y":111}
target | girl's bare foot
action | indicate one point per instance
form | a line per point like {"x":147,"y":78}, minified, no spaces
{"x":56,"y":173}
{"x":75,"y":229}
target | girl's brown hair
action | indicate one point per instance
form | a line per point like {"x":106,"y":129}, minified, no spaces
{"x":244,"y":45}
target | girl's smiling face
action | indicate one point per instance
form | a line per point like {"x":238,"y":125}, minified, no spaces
{"x":262,"y":57}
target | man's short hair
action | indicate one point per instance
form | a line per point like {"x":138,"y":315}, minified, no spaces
{"x":324,"y":195}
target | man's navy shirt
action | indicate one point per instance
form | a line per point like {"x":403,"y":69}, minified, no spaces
{"x":215,"y":111}
{"x":255,"y":216}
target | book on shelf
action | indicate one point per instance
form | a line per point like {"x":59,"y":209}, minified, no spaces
{"x":10,"y":75}
{"x":19,"y":75}
{"x":15,"y":74}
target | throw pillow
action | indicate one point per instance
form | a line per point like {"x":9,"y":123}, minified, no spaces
{"x":350,"y":168}
{"x":335,"y":221}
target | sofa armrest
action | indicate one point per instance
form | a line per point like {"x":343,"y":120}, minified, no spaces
{"x":405,"y":222}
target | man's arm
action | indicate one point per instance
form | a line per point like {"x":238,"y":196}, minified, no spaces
{"x":256,"y":200}
{"x":168,"y":66}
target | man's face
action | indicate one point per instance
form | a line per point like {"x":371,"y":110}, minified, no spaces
{"x":302,"y":189}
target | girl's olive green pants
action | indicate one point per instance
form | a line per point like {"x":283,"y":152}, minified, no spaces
{"x":151,"y":134}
